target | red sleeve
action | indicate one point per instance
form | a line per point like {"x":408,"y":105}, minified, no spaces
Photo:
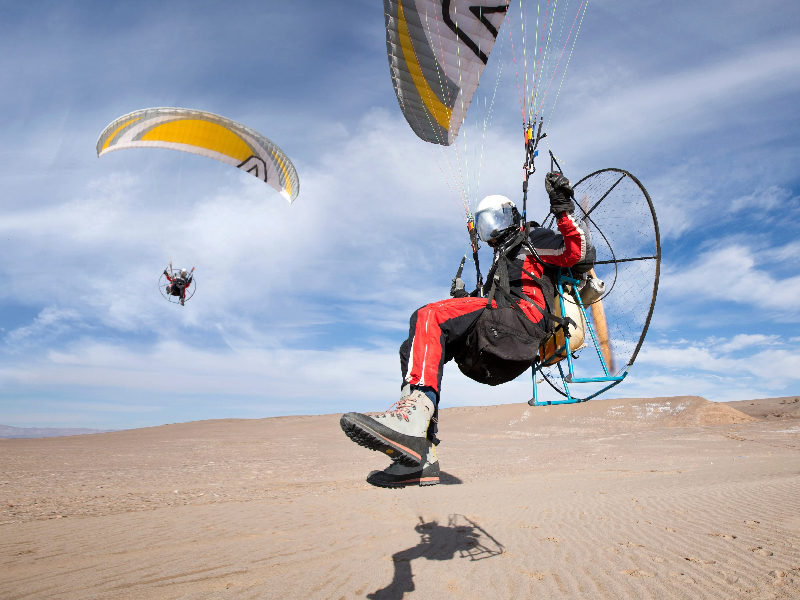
{"x":574,"y":246}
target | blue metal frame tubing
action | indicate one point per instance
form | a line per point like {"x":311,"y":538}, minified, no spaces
{"x":570,"y":377}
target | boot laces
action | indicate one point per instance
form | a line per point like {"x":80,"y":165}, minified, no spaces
{"x":401,"y":408}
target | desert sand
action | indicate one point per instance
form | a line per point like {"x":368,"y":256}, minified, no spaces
{"x":646,"y":498}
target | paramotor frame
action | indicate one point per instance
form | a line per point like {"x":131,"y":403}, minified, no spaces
{"x":621,"y":220}
{"x":163,"y":283}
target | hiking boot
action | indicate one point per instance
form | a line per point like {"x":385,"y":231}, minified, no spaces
{"x":401,"y":432}
{"x":181,"y":301}
{"x":398,"y":476}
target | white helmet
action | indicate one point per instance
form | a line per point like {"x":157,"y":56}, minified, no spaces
{"x":184,"y":274}
{"x":494,"y":216}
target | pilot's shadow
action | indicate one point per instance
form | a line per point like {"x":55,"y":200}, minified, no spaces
{"x":460,"y":538}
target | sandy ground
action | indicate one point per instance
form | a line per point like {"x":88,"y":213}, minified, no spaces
{"x":650,"y":498}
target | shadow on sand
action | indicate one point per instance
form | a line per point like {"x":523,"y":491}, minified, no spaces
{"x":447,"y":479}
{"x":460,"y":538}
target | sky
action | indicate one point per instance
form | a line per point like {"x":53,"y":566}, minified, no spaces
{"x":301,"y":308}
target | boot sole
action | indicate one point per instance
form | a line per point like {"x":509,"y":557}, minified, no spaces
{"x":403,"y":449}
{"x":420,"y":478}
{"x":420,"y":481}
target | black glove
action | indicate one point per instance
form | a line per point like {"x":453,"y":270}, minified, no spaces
{"x":560,"y":192}
{"x":457,"y":288}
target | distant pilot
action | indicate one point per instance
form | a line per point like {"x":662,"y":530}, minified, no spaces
{"x":178,"y":284}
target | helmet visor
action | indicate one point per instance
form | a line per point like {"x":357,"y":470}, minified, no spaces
{"x":491,"y":222}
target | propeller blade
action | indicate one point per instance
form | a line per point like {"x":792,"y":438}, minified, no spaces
{"x":601,"y":330}
{"x":597,"y":308}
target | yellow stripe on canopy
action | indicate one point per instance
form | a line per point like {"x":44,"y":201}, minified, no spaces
{"x":439,"y":111}
{"x":116,"y":131}
{"x":202,"y":134}
{"x":285,"y":174}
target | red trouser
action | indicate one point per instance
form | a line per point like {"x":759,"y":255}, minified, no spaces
{"x":436,"y":333}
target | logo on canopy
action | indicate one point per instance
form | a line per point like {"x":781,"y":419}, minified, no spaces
{"x":255,"y":166}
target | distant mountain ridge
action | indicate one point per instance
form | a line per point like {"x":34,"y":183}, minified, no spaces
{"x":9,"y":432}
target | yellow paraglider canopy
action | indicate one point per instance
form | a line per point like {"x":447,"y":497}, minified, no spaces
{"x":205,"y":134}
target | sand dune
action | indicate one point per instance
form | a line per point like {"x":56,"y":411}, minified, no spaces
{"x":8,"y":431}
{"x":770,"y":408}
{"x":661,"y":498}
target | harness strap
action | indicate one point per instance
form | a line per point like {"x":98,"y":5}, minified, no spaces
{"x":561,"y":322}
{"x":501,"y":285}
{"x":541,"y":283}
{"x":513,"y":297}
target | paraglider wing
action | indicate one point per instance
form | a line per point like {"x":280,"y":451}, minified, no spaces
{"x":437,"y":52}
{"x":205,"y":134}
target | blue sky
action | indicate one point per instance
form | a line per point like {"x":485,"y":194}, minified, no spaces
{"x":301,"y":308}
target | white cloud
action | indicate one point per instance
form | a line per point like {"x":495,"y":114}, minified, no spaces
{"x":689,"y":101}
{"x":645,"y":383}
{"x":743,"y":340}
{"x":731,"y":274}
{"x":763,"y":200}
{"x":49,"y":323}
{"x":771,"y":365}
{"x":681,"y":121}
{"x":251,"y":381}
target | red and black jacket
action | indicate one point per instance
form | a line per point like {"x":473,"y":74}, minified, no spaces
{"x":526,"y":263}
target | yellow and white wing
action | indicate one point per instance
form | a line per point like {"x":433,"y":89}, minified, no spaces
{"x":437,"y":52}
{"x":206,"y":134}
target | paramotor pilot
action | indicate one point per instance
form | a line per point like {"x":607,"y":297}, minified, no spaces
{"x":178,"y":283}
{"x":493,"y":334}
